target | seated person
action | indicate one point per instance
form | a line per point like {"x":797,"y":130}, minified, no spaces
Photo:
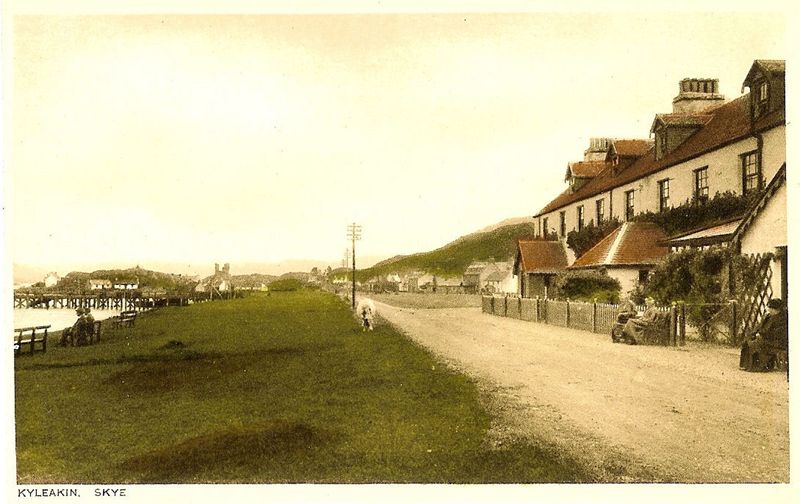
{"x":69,"y":334}
{"x":771,"y":336}
{"x":626,"y":311}
{"x":635,"y":327}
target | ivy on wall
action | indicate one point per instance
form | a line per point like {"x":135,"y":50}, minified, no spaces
{"x":581,"y":241}
{"x":692,"y":215}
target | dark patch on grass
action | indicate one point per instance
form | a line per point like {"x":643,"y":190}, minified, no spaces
{"x":285,"y":351}
{"x":247,"y":446}
{"x":187,"y":368}
{"x":131,"y":359}
{"x":173,"y":344}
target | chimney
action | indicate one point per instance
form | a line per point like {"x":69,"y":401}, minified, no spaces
{"x":696,"y":96}
{"x":226,"y":268}
{"x":216,"y":268}
{"x":597,"y":149}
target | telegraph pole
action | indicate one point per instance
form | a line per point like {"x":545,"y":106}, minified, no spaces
{"x":354,"y":233}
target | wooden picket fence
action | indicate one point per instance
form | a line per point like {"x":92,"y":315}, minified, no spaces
{"x":593,"y":317}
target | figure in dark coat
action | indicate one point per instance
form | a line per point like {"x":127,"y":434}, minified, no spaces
{"x":634,"y":329}
{"x":771,"y":336}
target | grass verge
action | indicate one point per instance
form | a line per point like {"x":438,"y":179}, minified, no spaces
{"x":280,"y":388}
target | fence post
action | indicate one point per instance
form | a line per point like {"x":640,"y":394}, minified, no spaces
{"x":505,"y":306}
{"x":567,"y":312}
{"x":673,"y":324}
{"x":537,"y":309}
{"x":546,"y":312}
{"x":594,"y":315}
{"x":734,"y":323}
{"x":683,"y":324}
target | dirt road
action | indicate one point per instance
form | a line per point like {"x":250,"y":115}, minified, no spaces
{"x":626,"y":412}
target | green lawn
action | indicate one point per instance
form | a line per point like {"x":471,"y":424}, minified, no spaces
{"x":280,"y":388}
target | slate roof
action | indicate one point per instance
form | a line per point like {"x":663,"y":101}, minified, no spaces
{"x":729,"y":122}
{"x":718,"y":233}
{"x":540,"y":256}
{"x":631,"y":244}
{"x":475,"y":268}
{"x":772,"y":67}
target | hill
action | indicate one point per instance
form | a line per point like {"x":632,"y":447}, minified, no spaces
{"x":451,"y":260}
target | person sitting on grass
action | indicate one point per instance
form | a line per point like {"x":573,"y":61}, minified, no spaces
{"x":635,"y":327}
{"x":770,"y":337}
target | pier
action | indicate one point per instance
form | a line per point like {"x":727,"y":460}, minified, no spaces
{"x":123,"y":300}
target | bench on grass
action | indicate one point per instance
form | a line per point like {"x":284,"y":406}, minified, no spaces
{"x":31,"y":336}
{"x":69,"y":338}
{"x":126,"y":319}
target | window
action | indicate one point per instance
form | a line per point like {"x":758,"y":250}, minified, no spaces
{"x":563,"y":224}
{"x":580,"y":217}
{"x":629,"y":210}
{"x":663,"y":195}
{"x":661,"y":138}
{"x":545,"y":228}
{"x":762,"y":98}
{"x":763,"y":92}
{"x":701,"y":185}
{"x":601,"y":211}
{"x":751,"y":173}
{"x":644,"y":275}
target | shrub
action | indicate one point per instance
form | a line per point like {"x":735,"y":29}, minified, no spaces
{"x":589,"y":236}
{"x":691,"y":215}
{"x":586,"y":286}
{"x":694,"y":277}
{"x":285,"y":285}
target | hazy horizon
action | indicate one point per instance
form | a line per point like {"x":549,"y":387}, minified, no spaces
{"x":31,"y":273}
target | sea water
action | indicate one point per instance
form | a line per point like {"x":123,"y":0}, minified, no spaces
{"x":56,"y":318}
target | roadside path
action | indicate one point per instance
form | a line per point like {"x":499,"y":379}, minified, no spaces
{"x":627,"y":412}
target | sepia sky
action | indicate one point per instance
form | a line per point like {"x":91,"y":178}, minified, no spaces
{"x":258,"y":138}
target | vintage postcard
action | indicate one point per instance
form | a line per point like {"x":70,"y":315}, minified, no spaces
{"x":357,"y":251}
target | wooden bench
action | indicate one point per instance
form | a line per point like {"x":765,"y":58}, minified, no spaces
{"x":657,"y":333}
{"x":94,"y":337}
{"x":126,"y":319}
{"x":68,"y":337}
{"x":31,"y":336}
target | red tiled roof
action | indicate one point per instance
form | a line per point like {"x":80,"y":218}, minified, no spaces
{"x":632,"y":244}
{"x":683,"y":119}
{"x":587,"y":169}
{"x":540,"y":256}
{"x":728,"y":123}
{"x":632,"y":148}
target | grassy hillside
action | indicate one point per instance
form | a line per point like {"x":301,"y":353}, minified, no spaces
{"x":452,"y":259}
{"x":264,"y":389}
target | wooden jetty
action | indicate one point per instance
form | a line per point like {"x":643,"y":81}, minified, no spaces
{"x":107,"y":301}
